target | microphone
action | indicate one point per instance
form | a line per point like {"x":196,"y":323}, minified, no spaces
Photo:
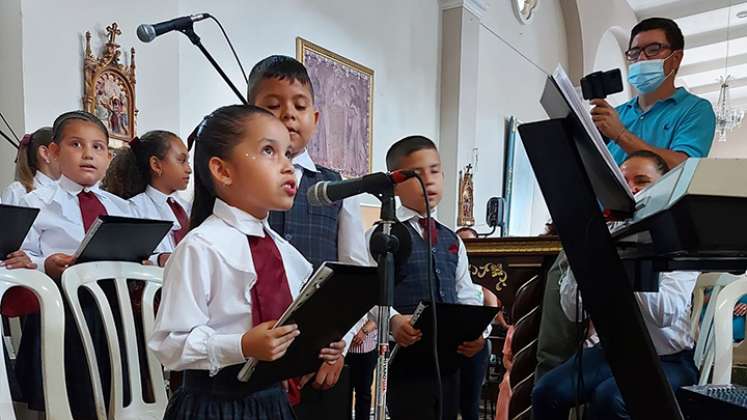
{"x":148,"y":33}
{"x":327,"y":192}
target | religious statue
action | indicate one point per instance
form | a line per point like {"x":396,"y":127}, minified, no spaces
{"x":466,"y":198}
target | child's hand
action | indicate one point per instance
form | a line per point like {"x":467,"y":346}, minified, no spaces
{"x":404,"y":333}
{"x":740,"y":309}
{"x":328,"y":375}
{"x":162,"y":258}
{"x":470,"y":348}
{"x":55,"y":264}
{"x":333,"y":352}
{"x":358,"y":338}
{"x":266,"y":343}
{"x":17,"y":259}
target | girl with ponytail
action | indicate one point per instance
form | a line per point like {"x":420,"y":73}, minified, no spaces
{"x":149,"y":174}
{"x":232,"y":276}
{"x":34,"y":166}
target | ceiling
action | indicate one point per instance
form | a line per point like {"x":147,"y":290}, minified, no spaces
{"x":704,"y":24}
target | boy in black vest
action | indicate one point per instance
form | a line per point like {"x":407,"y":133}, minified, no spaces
{"x":412,"y":392}
{"x":282,"y":85}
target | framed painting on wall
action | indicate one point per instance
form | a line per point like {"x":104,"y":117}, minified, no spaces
{"x":518,"y":184}
{"x":110,"y":88}
{"x":343,"y":94}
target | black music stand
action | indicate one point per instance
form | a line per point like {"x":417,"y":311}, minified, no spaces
{"x":575,"y":180}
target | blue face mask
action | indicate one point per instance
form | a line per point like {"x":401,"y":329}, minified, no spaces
{"x":646,"y":76}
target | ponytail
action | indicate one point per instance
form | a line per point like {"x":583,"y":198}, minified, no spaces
{"x":216,"y":136}
{"x":27,"y":160}
{"x":129,"y":173}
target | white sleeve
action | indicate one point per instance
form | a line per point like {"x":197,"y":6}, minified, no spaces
{"x":181,"y":338}
{"x":572,"y":308}
{"x":671,"y":301}
{"x":352,"y":246}
{"x":468,"y":293}
{"x":32,"y":243}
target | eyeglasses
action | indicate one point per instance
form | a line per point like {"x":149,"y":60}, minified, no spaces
{"x":650,"y":51}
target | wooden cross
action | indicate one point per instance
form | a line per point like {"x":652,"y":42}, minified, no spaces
{"x":113,"y":30}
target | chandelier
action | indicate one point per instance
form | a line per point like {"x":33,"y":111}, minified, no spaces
{"x":727,"y":117}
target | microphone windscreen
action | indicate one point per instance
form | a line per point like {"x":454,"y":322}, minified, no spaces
{"x":146,"y":33}
{"x":317,"y":195}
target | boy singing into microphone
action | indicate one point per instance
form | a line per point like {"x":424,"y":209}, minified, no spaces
{"x":412,"y":390}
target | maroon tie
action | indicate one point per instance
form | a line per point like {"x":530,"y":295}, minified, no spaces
{"x":271,"y":294}
{"x":429,"y":225}
{"x":181,"y":217}
{"x":90,"y":208}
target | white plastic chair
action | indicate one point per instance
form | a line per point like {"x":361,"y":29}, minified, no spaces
{"x":87,"y":275}
{"x":53,"y":343}
{"x":723,"y":330}
{"x":702,"y":330}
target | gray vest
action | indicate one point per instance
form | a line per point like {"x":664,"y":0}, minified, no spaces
{"x":412,"y":280}
{"x":312,"y":230}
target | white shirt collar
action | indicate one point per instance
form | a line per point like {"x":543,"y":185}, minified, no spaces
{"x":239,"y":219}
{"x":73,"y":188}
{"x":42,"y":179}
{"x":157,"y":196}
{"x":304,"y":161}
{"x":405,"y":213}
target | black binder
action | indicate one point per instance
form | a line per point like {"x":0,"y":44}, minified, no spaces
{"x":332,"y":301}
{"x":457,"y":323}
{"x":17,"y":222}
{"x":116,"y":238}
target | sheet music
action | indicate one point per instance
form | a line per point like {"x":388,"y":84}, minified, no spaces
{"x":579,"y":108}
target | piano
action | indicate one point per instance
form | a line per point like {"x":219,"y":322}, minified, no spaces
{"x":688,"y":220}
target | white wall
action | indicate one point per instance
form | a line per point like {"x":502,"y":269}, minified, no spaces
{"x":509,"y":85}
{"x":53,"y":57}
{"x":399,"y":40}
{"x":11,"y":82}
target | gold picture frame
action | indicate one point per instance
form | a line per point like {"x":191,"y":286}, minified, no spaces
{"x":343,"y":94}
{"x":109,"y":91}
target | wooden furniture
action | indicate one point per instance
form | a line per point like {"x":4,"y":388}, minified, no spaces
{"x":514,"y":269}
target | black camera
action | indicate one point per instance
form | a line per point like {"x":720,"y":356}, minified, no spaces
{"x":599,"y":84}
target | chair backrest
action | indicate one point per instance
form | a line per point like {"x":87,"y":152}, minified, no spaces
{"x":524,"y":363}
{"x":702,"y":329}
{"x":526,"y":329}
{"x":527,"y":297}
{"x":87,"y":276}
{"x":723,"y":329}
{"x":52,"y":339}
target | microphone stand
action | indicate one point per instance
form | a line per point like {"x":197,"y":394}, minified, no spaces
{"x":6,"y":137}
{"x":383,"y":247}
{"x":196,"y":41}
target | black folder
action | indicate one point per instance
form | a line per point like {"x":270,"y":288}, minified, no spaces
{"x":116,"y":238}
{"x":330,"y":303}
{"x":17,"y":222}
{"x":457,"y":323}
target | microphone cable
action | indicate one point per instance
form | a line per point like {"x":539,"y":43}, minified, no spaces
{"x":230,"y":45}
{"x":431,"y":289}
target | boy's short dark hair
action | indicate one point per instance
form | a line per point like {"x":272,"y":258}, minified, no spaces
{"x":404,"y":148}
{"x":277,"y":67}
{"x":661,"y":165}
{"x":674,"y":34}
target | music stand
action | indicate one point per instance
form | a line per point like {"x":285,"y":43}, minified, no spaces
{"x":577,"y":182}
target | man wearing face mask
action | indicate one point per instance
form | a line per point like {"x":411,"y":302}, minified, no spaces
{"x":662,"y":119}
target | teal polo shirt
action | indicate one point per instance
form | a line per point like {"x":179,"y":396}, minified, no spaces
{"x":683,"y":123}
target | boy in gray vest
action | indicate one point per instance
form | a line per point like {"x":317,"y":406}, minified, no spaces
{"x":412,"y":392}
{"x":282,"y":85}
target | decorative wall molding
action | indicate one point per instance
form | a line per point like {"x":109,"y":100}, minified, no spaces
{"x":476,"y":7}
